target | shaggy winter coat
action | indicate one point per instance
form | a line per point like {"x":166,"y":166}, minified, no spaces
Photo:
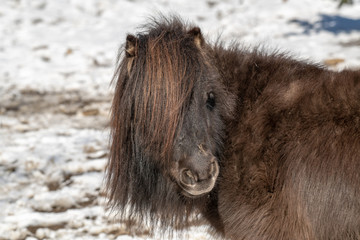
{"x":261,"y":145}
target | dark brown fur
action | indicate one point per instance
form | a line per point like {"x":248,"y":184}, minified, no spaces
{"x":288,"y":141}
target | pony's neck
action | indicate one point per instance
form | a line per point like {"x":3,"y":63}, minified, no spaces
{"x":240,"y":72}
{"x":246,"y":74}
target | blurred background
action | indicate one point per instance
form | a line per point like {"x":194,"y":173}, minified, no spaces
{"x":56,"y":63}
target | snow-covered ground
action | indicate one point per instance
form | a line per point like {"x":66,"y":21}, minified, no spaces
{"x":56,"y":62}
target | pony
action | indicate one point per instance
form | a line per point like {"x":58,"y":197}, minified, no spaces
{"x":260,"y":145}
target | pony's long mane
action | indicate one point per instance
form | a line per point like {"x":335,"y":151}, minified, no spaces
{"x":152,"y":91}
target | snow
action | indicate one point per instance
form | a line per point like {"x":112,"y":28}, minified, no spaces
{"x":56,"y":63}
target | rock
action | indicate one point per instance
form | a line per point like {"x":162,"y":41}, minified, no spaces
{"x":68,"y":52}
{"x":91,"y":112}
{"x":333,"y":61}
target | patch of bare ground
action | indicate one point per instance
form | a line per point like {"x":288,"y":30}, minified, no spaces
{"x":79,"y":110}
{"x":69,"y":103}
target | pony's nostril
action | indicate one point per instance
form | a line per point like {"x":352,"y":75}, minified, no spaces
{"x":213,"y":169}
{"x":188,"y":177}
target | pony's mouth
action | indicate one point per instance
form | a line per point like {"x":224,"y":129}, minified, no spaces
{"x":193,"y":186}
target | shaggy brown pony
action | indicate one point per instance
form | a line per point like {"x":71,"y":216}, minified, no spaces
{"x":261,"y":145}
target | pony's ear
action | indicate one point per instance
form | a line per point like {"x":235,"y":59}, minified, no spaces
{"x":130,"y":46}
{"x":195,"y":33}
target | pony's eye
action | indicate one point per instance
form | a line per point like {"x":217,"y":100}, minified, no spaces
{"x":210,"y":102}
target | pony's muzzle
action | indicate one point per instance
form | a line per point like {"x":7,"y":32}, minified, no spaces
{"x":196,"y":182}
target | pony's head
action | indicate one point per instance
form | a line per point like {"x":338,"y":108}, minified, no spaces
{"x":167,"y":122}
